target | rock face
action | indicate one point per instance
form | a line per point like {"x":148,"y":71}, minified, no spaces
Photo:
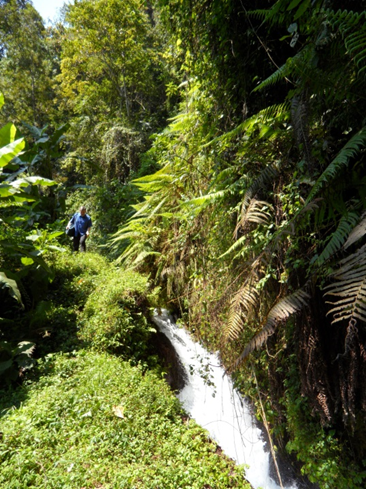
{"x":175,"y":373}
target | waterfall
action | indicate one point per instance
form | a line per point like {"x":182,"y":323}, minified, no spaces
{"x":210,"y":399}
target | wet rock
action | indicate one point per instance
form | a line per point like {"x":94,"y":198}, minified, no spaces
{"x":175,"y":375}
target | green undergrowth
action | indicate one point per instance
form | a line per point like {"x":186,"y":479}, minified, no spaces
{"x":95,"y":305}
{"x":95,"y":411}
{"x":92,"y":420}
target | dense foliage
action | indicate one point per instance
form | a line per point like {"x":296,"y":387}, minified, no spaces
{"x":246,"y":208}
{"x":274,"y":158}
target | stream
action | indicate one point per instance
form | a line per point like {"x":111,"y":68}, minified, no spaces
{"x":208,"y":397}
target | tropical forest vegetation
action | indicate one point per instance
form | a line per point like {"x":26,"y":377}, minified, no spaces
{"x":219,"y":148}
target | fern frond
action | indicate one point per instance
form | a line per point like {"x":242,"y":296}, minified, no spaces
{"x":278,"y":14}
{"x":255,"y":212}
{"x":245,"y":299}
{"x":282,"y":72}
{"x":127,"y":256}
{"x":155,"y":181}
{"x":345,"y":225}
{"x":357,"y":233}
{"x":272,"y":112}
{"x":147,"y":209}
{"x":293,"y":66}
{"x":349,"y":150}
{"x":26,"y":348}
{"x":142,"y":256}
{"x":238,"y":244}
{"x":133,"y":228}
{"x":207,"y":199}
{"x":266,"y":177}
{"x":284,"y":308}
{"x":350,"y":287}
{"x":351,"y":26}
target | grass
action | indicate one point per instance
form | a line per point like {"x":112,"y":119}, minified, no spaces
{"x":87,"y":418}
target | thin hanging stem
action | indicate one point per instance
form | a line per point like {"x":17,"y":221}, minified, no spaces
{"x":265,"y":422}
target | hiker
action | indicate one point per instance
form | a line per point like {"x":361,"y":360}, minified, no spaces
{"x":82,"y":224}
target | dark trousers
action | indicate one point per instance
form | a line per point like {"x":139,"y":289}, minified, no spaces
{"x":79,"y":241}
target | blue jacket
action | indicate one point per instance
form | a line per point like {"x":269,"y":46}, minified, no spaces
{"x":81,"y":223}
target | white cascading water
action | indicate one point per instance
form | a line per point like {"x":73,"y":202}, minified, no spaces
{"x":210,"y":399}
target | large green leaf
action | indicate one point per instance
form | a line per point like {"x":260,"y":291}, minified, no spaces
{"x":25,"y":182}
{"x":7,"y":134}
{"x":6,"y":365}
{"x":8,"y":152}
{"x":12,"y":286}
{"x":6,"y":191}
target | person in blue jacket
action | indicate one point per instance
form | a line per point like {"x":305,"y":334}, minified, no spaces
{"x":82,"y":223}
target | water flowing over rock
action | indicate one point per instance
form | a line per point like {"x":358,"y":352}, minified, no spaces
{"x":209,"y":397}
{"x":175,"y":375}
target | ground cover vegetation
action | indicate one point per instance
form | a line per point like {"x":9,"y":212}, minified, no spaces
{"x":220,"y":149}
{"x":95,"y":410}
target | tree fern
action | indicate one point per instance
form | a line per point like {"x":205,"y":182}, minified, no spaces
{"x":350,"y":288}
{"x":284,"y":308}
{"x":280,"y":74}
{"x":238,"y":244}
{"x":154,"y":182}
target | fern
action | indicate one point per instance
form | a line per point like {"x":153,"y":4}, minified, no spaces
{"x":154,"y":182}
{"x":283,"y":11}
{"x":268,"y":114}
{"x":266,"y":177}
{"x":280,"y":74}
{"x":357,"y":233}
{"x":255,"y":212}
{"x":245,"y":300}
{"x":295,"y":67}
{"x":204,"y":200}
{"x":274,"y":112}
{"x":346,"y":224}
{"x":350,"y":287}
{"x":351,"y":26}
{"x":237,"y":245}
{"x":349,"y":151}
{"x":284,"y":308}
